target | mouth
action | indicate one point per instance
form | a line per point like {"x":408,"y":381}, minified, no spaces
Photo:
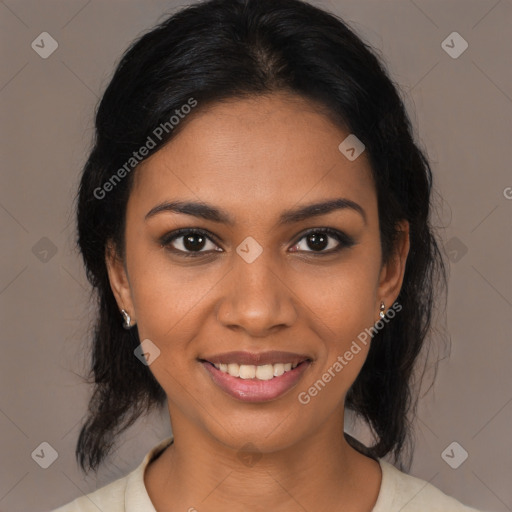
{"x":275,"y":375}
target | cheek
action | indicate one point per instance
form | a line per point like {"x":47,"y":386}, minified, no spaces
{"x":167,"y":297}
{"x":342,"y":308}
{"x":169,"y":301}
{"x":344,"y":316}
{"x":342,"y":297}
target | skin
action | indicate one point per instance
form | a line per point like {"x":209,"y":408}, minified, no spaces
{"x":255,"y":158}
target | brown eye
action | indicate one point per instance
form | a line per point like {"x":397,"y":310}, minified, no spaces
{"x":317,"y":241}
{"x":188,"y":242}
{"x":322,"y":241}
{"x":194,"y":242}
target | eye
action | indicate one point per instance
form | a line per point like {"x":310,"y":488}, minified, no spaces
{"x":198,"y":242}
{"x":189,"y":242}
{"x":323,"y":241}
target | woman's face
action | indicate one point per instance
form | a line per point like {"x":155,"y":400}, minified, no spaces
{"x":254,"y":279}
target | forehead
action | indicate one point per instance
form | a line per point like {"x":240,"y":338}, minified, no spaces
{"x":254,"y":155}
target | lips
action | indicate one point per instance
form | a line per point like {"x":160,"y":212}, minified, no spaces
{"x":262,"y":386}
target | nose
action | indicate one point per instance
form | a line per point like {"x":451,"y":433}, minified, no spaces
{"x":257,"y":299}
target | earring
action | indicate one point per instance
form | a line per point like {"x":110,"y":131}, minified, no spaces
{"x":382,"y":308}
{"x":127,"y":319}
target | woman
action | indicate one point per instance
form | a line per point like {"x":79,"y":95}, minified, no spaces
{"x":254,"y":218}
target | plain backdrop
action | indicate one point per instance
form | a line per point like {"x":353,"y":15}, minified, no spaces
{"x":461,"y":109}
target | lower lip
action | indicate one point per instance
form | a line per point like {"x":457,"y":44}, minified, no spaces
{"x":254,"y":390}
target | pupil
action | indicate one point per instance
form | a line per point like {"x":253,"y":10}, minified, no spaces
{"x":193,"y":242}
{"x":317,"y":241}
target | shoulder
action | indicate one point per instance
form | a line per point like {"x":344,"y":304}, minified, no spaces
{"x":407,"y":493}
{"x":127,"y":494}
{"x":110,"y":497}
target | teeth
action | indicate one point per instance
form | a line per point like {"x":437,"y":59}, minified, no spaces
{"x":233,"y":369}
{"x":246,"y":372}
{"x":278,"y":369}
{"x":249,"y":371}
{"x":265,"y":372}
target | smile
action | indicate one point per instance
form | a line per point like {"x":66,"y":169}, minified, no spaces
{"x":252,"y":383}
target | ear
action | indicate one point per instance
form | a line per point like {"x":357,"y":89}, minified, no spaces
{"x":392,"y":272}
{"x":118,"y":278}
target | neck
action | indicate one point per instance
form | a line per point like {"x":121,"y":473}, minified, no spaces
{"x":321,"y":472}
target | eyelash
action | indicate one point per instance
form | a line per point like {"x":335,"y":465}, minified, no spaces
{"x":344,"y":240}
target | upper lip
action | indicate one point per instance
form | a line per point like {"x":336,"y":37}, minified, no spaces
{"x":257,"y":359}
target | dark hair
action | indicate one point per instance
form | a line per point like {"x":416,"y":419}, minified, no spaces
{"x":222,"y":49}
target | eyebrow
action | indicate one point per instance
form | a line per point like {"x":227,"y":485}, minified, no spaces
{"x":209,"y":212}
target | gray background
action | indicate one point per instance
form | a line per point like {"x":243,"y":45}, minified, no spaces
{"x":462,"y":112}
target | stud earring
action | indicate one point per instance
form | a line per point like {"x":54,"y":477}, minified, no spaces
{"x":126,"y":319}
{"x":382,"y":309}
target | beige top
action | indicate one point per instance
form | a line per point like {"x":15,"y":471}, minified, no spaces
{"x":398,"y":491}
